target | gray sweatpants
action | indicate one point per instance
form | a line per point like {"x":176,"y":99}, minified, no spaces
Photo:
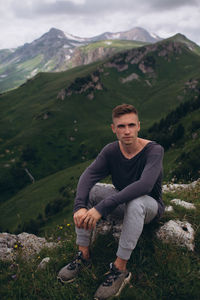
{"x":135,"y":214}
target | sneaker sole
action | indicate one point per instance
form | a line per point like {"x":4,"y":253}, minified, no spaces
{"x":65,"y":281}
{"x":124,"y":283}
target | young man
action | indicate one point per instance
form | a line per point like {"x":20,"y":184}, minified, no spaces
{"x":135,"y":165}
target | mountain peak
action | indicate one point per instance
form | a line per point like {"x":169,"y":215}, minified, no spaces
{"x":184,"y":40}
{"x":54,"y":30}
{"x":134,"y":34}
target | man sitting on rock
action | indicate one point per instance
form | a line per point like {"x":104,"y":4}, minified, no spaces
{"x":135,"y":165}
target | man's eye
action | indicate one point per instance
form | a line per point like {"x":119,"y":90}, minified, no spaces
{"x":131,"y":125}
{"x":120,"y":126}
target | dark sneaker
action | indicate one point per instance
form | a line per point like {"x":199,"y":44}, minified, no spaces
{"x":70,"y":271}
{"x":114,"y":283}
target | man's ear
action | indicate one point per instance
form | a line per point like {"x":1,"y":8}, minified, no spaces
{"x":113,"y":128}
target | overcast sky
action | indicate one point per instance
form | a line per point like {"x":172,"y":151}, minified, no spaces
{"x":23,"y":21}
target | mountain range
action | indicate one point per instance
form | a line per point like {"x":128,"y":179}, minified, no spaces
{"x":59,"y":51}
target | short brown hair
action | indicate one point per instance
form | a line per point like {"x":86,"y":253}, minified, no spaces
{"x":123,"y":109}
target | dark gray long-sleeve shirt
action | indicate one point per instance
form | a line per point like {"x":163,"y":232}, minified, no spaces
{"x":135,"y":177}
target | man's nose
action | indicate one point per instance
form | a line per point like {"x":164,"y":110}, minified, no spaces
{"x":127,"y":130}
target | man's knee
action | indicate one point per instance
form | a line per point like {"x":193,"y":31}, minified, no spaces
{"x":136,"y":207}
{"x":100,"y":191}
{"x":144,"y":206}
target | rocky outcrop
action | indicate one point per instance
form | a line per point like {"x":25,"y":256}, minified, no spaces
{"x":120,"y":67}
{"x":88,"y":85}
{"x":180,"y":233}
{"x":172,"y":187}
{"x":82,"y":57}
{"x":61,"y":95}
{"x":144,"y":57}
{"x":24,"y":243}
{"x":131,"y":77}
{"x":184,"y":204}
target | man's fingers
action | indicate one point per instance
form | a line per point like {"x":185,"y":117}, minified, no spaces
{"x":79,"y":218}
{"x":84,"y":223}
{"x":91,"y":223}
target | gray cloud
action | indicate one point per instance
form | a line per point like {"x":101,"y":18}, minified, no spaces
{"x":23,"y":21}
{"x":172,"y":4}
{"x":72,"y":8}
{"x":88,"y":7}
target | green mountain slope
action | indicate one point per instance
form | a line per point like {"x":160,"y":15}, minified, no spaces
{"x":32,"y":202}
{"x":49,"y":201}
{"x":58,"y":120}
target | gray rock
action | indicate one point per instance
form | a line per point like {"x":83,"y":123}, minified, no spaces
{"x":180,"y":233}
{"x":184,"y":204}
{"x":43,"y":264}
{"x":172,"y":187}
{"x":24,"y":243}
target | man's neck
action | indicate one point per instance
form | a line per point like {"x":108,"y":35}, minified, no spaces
{"x":131,"y":150}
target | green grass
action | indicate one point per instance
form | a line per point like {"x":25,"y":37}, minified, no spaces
{"x":119,"y":45}
{"x":159,"y":270}
{"x":31,"y":201}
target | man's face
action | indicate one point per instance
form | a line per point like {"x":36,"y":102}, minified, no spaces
{"x":126,"y":128}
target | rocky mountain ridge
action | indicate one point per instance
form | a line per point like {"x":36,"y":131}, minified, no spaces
{"x":139,"y":57}
{"x":58,"y":51}
{"x":136,"y":34}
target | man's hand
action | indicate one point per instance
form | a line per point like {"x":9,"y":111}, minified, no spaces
{"x":79,"y":217}
{"x":91,"y":218}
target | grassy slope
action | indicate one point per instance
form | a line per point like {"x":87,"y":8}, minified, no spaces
{"x":160,"y":271}
{"x":116,"y":45}
{"x":22,"y":110}
{"x":31,"y":201}
{"x":17,"y":73}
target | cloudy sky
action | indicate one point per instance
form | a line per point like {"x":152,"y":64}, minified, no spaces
{"x":24,"y":21}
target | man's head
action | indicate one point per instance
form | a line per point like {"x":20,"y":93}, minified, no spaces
{"x":126,"y":123}
{"x":123,"y":109}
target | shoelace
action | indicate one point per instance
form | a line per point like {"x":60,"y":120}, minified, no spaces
{"x":77,"y":261}
{"x":112,"y":275}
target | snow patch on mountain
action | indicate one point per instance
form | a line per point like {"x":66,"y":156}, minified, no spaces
{"x":116,"y":35}
{"x":74,"y":38}
{"x":108,"y":42}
